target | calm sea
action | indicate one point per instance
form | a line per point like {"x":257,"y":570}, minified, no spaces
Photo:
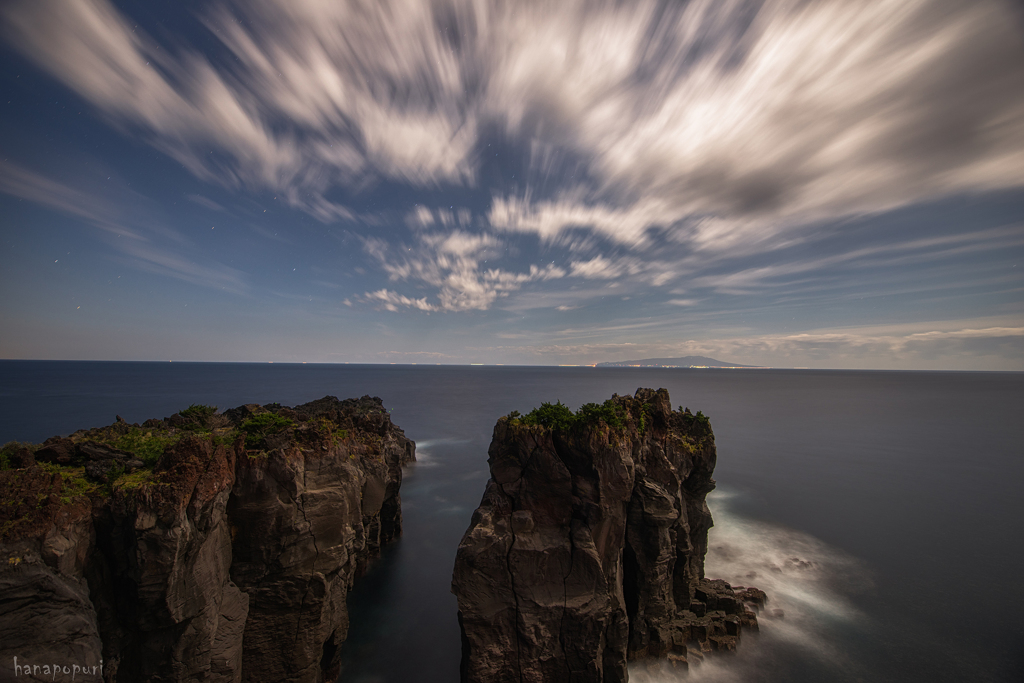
{"x":882,"y":511}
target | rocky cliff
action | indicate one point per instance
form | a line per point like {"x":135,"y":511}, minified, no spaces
{"x":202,"y":547}
{"x":588,"y":547}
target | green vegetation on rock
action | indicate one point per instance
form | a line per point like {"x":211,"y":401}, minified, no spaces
{"x":136,"y":480}
{"x":327,"y":429}
{"x":147,"y":444}
{"x":559,"y":416}
{"x":73,"y":481}
{"x":642,"y":427}
{"x":10,"y":448}
{"x":608,"y":412}
{"x":259,"y":427}
{"x":612,"y":413}
{"x":700,"y":419}
{"x":197,"y":416}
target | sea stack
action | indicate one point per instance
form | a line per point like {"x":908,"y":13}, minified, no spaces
{"x":588,"y":547}
{"x":201,"y":547}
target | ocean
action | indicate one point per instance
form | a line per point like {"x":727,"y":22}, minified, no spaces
{"x":881,"y":511}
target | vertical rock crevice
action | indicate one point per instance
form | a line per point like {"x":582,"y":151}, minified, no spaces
{"x":512,"y":584}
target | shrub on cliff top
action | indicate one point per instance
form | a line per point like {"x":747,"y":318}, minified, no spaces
{"x":10,"y":448}
{"x":197,"y":416}
{"x":608,"y":412}
{"x":700,"y":419}
{"x":259,"y":427}
{"x":554,"y":415}
{"x":559,"y":416}
{"x":147,"y":445}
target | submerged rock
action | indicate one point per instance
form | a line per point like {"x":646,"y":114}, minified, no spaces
{"x":227,"y":558}
{"x":588,"y":547}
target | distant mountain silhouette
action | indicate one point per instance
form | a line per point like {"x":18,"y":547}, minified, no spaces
{"x":684,"y":362}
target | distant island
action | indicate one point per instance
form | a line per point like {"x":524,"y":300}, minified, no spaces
{"x":684,"y":362}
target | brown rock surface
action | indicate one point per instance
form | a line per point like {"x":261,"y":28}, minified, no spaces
{"x":588,"y":548}
{"x":228,"y":559}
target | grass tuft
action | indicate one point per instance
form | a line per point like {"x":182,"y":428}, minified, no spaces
{"x":73,"y":481}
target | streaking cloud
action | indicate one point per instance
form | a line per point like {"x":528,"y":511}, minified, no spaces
{"x":585,"y":174}
{"x":762,"y":114}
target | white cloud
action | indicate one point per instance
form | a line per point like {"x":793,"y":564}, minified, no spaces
{"x":189,"y":109}
{"x":726,"y":124}
{"x":603,"y":268}
{"x":549,"y":218}
{"x":375,"y":247}
{"x":820,"y":110}
{"x":420,"y":217}
{"x":392,"y":300}
{"x":453,"y":264}
{"x":462,"y":244}
{"x":423,"y":217}
{"x":893,"y":257}
{"x":735,"y":131}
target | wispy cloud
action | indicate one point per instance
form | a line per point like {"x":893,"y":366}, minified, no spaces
{"x":892,"y":256}
{"x":392,"y":300}
{"x":452,"y":263}
{"x":725,"y":121}
{"x":140,"y":240}
{"x":734,"y":130}
{"x":802,"y":115}
{"x":550,"y":218}
{"x":24,"y":183}
{"x":600,"y":267}
{"x":864,"y":347}
{"x":168,"y":263}
{"x":185,"y":106}
{"x":205,"y":202}
{"x":930,"y":345}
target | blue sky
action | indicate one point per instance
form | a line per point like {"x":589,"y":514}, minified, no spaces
{"x":819,"y":184}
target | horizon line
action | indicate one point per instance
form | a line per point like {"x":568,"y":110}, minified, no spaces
{"x":520,"y":365}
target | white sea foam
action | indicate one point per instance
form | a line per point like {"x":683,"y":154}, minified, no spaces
{"x":807,"y":582}
{"x":425,"y":456}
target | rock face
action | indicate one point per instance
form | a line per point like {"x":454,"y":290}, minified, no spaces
{"x":228,"y":560}
{"x":588,"y":548}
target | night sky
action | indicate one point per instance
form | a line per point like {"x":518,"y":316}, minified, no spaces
{"x":822,"y":183}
